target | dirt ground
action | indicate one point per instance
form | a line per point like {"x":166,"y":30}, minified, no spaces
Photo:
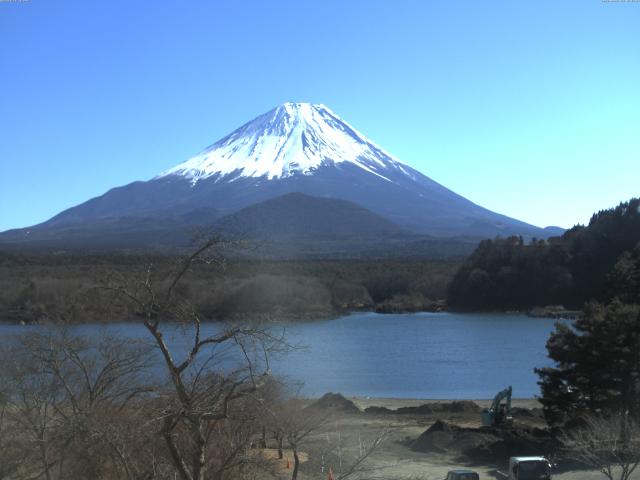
{"x":396,"y":459}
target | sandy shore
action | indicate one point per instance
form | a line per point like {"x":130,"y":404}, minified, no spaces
{"x":393,"y":403}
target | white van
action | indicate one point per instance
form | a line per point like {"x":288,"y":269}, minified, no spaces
{"x":529,"y":468}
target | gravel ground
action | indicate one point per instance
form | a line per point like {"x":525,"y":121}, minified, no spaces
{"x":396,"y":460}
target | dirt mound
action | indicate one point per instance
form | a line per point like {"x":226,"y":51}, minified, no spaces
{"x":532,"y":413}
{"x":459,"y":406}
{"x":523,"y":441}
{"x":335,"y":402}
{"x":462,"y":406}
{"x":440,"y":426}
{"x":439,"y":437}
{"x":425,"y":409}
{"x":442,"y":437}
{"x":378,"y":410}
{"x":483,"y":444}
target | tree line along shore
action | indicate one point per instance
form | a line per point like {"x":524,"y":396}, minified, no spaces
{"x":33,"y":289}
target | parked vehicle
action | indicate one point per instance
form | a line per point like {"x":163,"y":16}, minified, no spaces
{"x":529,"y":468}
{"x":462,"y":475}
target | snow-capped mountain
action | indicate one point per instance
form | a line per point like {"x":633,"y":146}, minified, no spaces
{"x":294,"y":138}
{"x":296,"y":147}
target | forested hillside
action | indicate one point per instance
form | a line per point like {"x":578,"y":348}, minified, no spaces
{"x":35,"y":289}
{"x":600,"y":261}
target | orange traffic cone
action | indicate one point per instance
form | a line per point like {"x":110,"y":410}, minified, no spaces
{"x":288,"y":464}
{"x":330,"y":475}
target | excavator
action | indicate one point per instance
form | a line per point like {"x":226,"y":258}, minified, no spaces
{"x":499,"y":414}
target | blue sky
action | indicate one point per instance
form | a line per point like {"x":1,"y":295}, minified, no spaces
{"x":531,"y":109}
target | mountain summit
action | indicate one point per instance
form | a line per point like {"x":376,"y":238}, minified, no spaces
{"x":296,"y":147}
{"x":294,"y":138}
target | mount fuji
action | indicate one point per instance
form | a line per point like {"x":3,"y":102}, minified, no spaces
{"x":294,"y":148}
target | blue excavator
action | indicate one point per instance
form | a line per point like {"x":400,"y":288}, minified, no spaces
{"x":499,"y":414}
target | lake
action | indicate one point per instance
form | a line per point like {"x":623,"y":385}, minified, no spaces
{"x":422,"y":355}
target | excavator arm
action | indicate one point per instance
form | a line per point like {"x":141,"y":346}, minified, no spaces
{"x":498,"y":414}
{"x":506,"y":393}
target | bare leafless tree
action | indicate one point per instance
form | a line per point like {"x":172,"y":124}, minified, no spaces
{"x":209,"y":383}
{"x":272,"y":410}
{"x":11,"y":456}
{"x":60,"y":392}
{"x":299,"y":422}
{"x":358,"y":466}
{"x":30,"y":414}
{"x":609,"y":443}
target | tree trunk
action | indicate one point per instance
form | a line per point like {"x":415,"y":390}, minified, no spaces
{"x":44,"y":454}
{"x":263,"y":440}
{"x":280,"y":454}
{"x":176,"y":456}
{"x":199,"y":458}
{"x":296,"y":464}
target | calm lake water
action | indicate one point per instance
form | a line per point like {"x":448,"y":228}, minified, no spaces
{"x":423,"y":355}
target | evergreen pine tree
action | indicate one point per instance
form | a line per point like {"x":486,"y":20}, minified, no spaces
{"x":597,"y":364}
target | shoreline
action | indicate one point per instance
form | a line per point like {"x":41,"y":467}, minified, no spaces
{"x":288,"y":318}
{"x":395,"y":403}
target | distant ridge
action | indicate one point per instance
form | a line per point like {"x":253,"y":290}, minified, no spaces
{"x":296,"y":215}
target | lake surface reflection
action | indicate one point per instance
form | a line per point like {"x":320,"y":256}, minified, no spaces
{"x":423,"y":355}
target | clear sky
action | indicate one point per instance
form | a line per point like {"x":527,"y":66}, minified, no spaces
{"x":529,"y":108}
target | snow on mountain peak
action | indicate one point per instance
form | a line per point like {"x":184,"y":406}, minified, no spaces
{"x":293,"y":138}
